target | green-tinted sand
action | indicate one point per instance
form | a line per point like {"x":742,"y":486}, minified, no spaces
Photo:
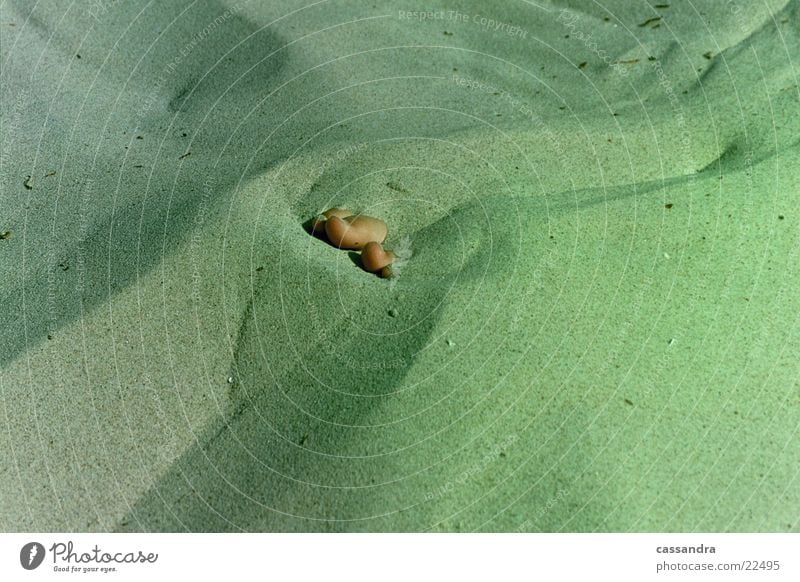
{"x":598,"y":330}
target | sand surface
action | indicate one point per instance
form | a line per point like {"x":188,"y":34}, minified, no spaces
{"x":598,"y":329}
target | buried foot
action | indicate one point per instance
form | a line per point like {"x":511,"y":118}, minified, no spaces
{"x":345,"y":230}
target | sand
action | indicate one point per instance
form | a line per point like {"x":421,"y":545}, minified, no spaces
{"x":597,"y":331}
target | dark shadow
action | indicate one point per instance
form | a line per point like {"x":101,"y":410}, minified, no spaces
{"x":298,"y":433}
{"x":355,"y":258}
{"x":113,"y":253}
